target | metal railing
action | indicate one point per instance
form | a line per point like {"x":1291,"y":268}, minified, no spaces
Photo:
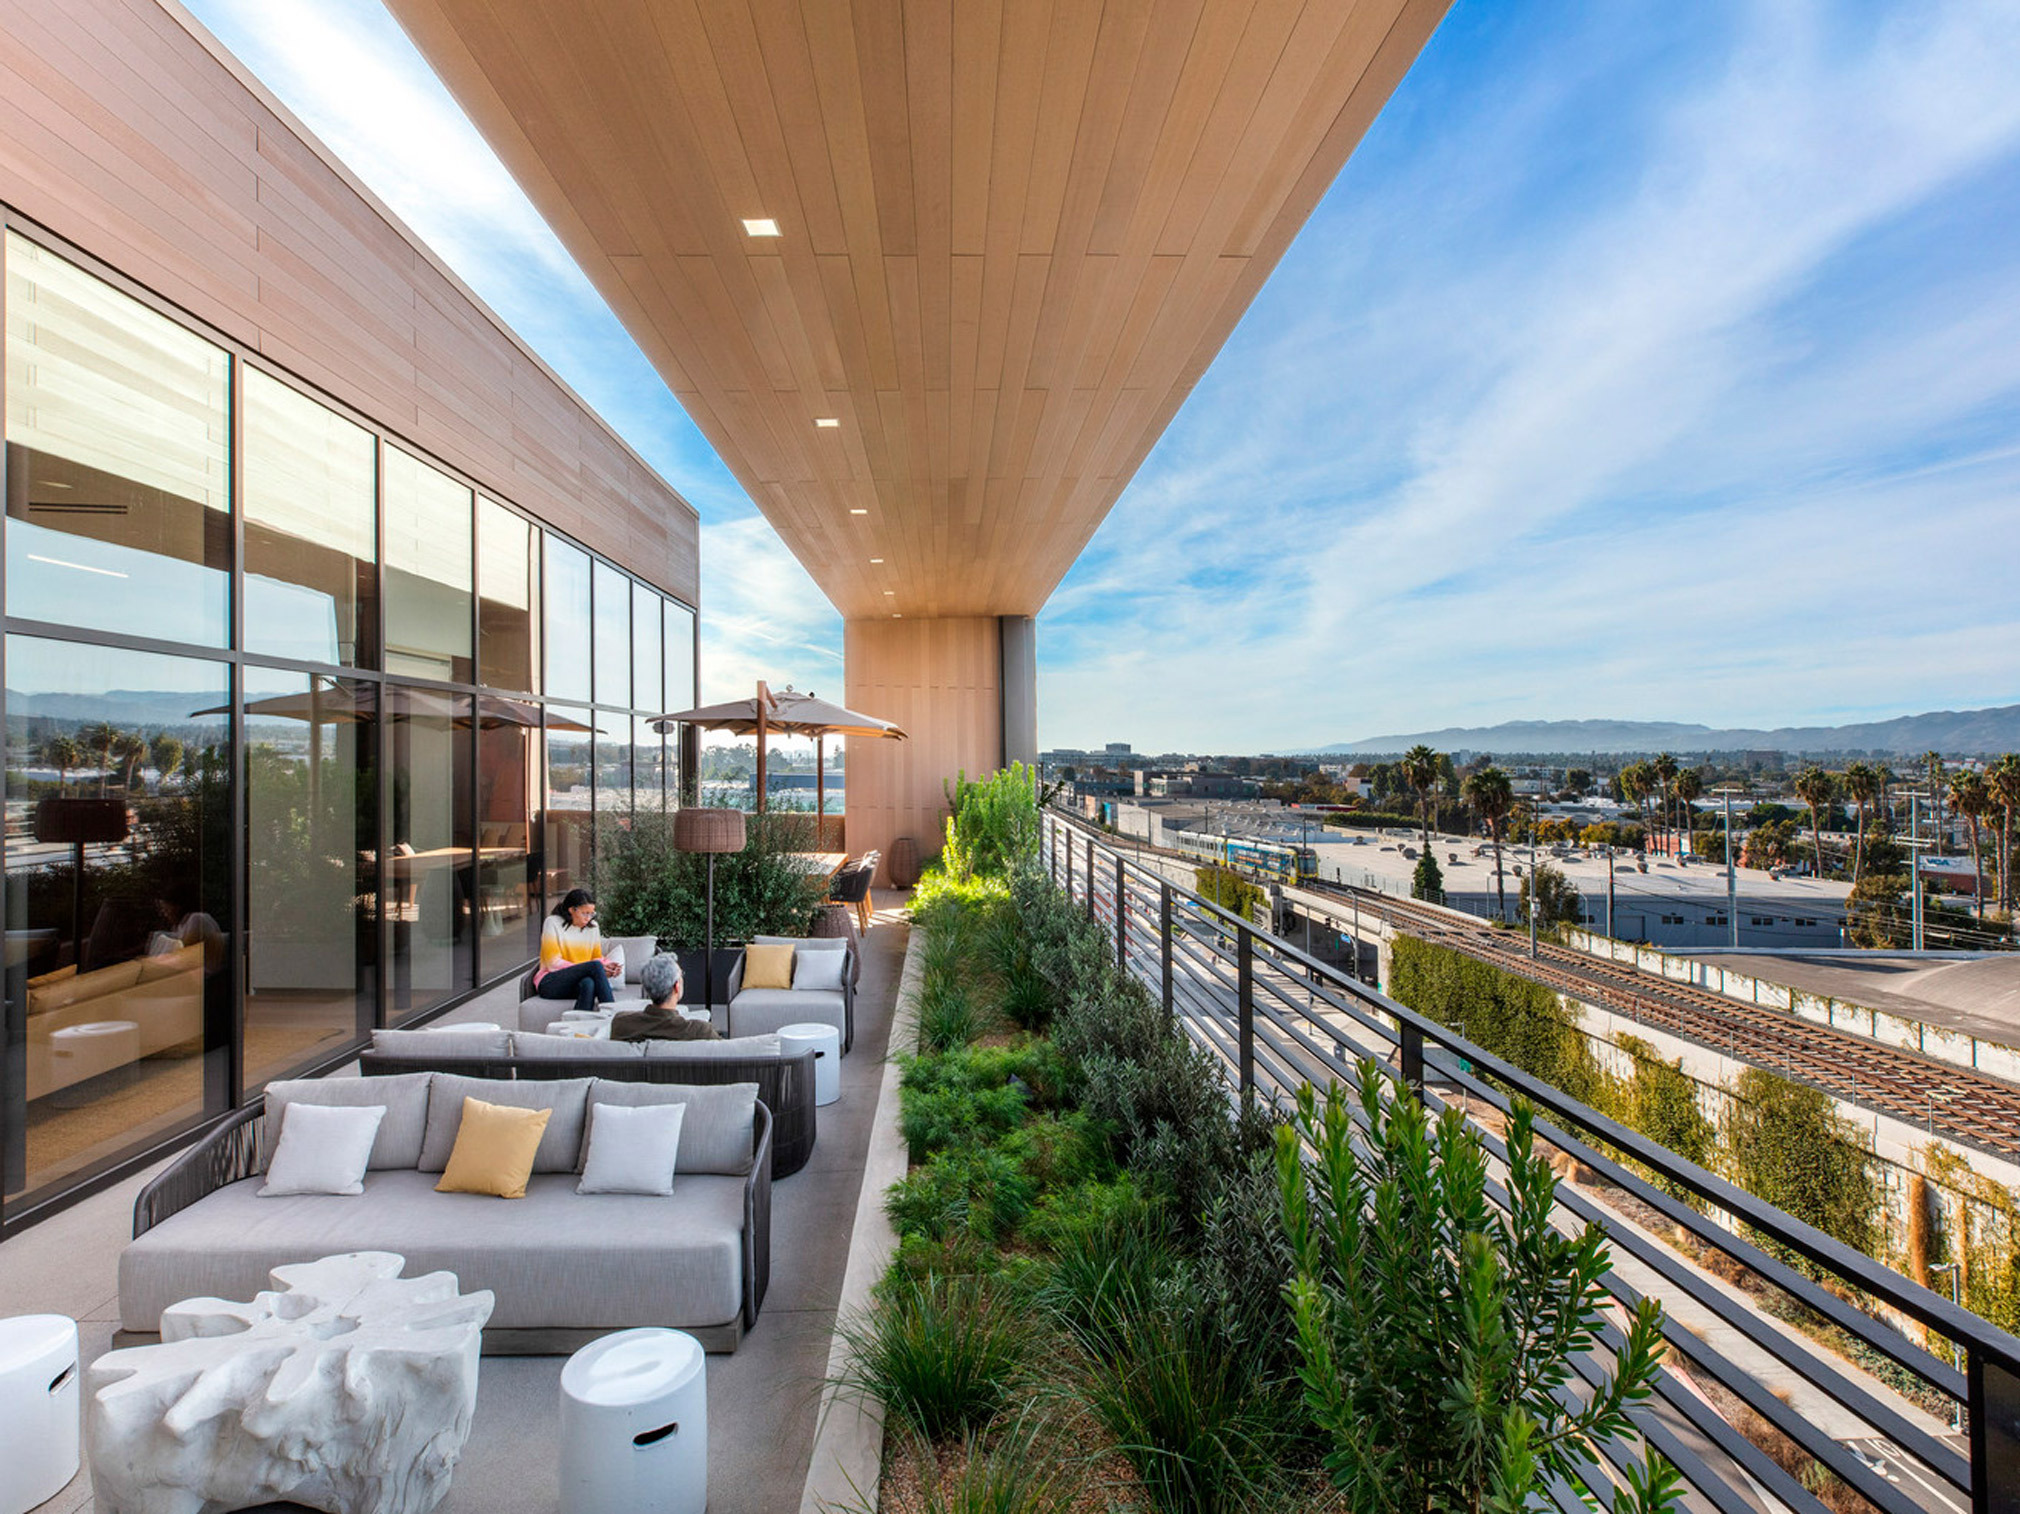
{"x":1744,"y":1385}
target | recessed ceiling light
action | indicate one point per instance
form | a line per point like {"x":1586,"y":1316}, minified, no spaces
{"x":855,"y":511}
{"x":876,"y":560}
{"x":761,"y":226}
{"x":890,"y":593}
{"x":827,"y":422}
{"x":896,"y":616}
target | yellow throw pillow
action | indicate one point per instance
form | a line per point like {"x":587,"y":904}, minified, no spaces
{"x":767,"y":967}
{"x":494,"y":1150}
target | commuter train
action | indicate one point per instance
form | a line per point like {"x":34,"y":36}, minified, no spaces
{"x":1273,"y":860}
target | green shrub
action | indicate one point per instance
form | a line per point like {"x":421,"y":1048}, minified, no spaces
{"x":1517,"y":1020}
{"x":934,"y":1119}
{"x":1229,"y":889}
{"x":948,"y":1014}
{"x":981,"y":1191}
{"x":1066,"y":1217}
{"x":1027,"y":997}
{"x":1104,"y":1269}
{"x":992,"y":824}
{"x":1010,"y":1473}
{"x":1202,"y":1430}
{"x":943,"y":1355}
{"x":1060,"y":1150}
{"x":645,"y":886}
{"x":1660,"y":1101}
{"x":1436,"y":1332}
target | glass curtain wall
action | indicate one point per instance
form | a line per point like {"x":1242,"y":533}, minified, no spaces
{"x":343,"y":802}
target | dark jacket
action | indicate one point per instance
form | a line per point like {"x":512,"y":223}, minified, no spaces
{"x":652,"y":1024}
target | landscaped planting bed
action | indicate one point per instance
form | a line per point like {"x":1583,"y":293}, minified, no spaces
{"x":1118,"y":1289}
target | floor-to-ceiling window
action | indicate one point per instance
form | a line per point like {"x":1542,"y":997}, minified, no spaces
{"x":280,"y":765}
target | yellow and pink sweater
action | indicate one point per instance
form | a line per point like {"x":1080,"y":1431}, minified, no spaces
{"x":564,"y":945}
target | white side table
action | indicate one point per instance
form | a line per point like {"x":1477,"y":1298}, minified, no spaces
{"x":826,"y":1042}
{"x":38,"y":1409}
{"x":634,"y":1425}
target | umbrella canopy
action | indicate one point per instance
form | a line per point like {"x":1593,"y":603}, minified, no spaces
{"x":341,"y":704}
{"x":791,"y":714}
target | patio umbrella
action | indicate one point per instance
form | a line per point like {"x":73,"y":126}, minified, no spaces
{"x":793,"y":713}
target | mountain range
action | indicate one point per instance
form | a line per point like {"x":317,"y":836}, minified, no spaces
{"x":1955,"y":733}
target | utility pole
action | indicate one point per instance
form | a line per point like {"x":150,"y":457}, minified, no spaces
{"x":1731,"y":875}
{"x":1535,"y":879}
{"x":1915,"y":863}
{"x":1609,"y":894}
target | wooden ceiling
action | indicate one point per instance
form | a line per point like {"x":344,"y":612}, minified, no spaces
{"x":1013,"y":233}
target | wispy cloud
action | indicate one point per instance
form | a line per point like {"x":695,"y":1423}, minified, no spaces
{"x":1665,"y":452}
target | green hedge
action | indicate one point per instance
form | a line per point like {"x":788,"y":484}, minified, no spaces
{"x":1517,"y":1020}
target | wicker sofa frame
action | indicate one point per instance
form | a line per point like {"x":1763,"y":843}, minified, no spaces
{"x":785,"y":1083}
{"x":230,"y":1154}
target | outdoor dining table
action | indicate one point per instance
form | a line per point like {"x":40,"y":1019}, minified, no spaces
{"x":818,"y":864}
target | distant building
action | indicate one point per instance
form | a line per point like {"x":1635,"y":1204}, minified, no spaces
{"x":1118,"y":749}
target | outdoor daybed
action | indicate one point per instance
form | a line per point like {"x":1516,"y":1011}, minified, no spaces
{"x":565,"y":1267}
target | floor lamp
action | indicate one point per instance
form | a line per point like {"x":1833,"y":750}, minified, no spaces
{"x":710,"y":832}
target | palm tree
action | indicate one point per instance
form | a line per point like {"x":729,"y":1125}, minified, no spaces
{"x":1492,"y":795}
{"x":1972,"y":798}
{"x":131,"y":750}
{"x":1817,"y":789}
{"x":165,"y":752}
{"x":1932,"y":764}
{"x":1634,"y":781}
{"x":99,"y":739}
{"x":1689,"y":784}
{"x":63,"y":754}
{"x":1420,"y":771}
{"x":1862,"y":787}
{"x":1664,"y":768}
{"x":2003,"y":778}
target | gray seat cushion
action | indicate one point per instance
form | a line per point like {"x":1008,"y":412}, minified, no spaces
{"x":716,"y":1132}
{"x":560,"y":1143}
{"x":762,"y":1011}
{"x":398,"y":1142}
{"x":442,"y":1043}
{"x":555,"y":1258}
{"x":556,"y":1048}
{"x":701,"y":1051}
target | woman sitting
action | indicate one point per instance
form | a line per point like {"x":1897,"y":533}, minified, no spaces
{"x":573,"y":961}
{"x":661,"y":1020}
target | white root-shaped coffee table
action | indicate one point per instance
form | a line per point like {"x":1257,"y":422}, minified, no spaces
{"x":348,"y":1388}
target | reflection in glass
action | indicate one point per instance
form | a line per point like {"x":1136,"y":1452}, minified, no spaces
{"x":613,"y":636}
{"x":508,"y":598}
{"x":679,"y":656}
{"x":428,"y":571}
{"x":648,"y":766}
{"x":310,"y":549}
{"x":613,"y":763}
{"x":569,"y":812}
{"x":567,"y":628}
{"x":508,"y":856}
{"x":118,"y":899}
{"x":645,"y":649}
{"x":118,"y":433}
{"x":311,"y":869}
{"x":429,"y":869}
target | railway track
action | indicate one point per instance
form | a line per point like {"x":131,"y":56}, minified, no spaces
{"x":1968,"y":1106}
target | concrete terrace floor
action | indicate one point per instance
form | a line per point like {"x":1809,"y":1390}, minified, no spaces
{"x":762,"y":1401}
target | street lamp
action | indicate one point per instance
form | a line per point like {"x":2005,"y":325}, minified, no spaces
{"x":1731,"y":868}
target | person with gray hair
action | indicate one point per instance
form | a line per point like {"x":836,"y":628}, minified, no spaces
{"x":661,"y":1019}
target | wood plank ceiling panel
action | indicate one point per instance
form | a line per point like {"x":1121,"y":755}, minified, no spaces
{"x":1013,"y":234}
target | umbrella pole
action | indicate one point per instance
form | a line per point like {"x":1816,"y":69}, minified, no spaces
{"x":820,"y":794}
{"x":761,"y":749}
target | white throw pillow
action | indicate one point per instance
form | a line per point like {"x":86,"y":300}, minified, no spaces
{"x":323,"y":1149}
{"x":632,"y":1150}
{"x":818,"y":970}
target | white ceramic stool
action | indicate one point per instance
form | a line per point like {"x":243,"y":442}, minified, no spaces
{"x":38,"y":1409}
{"x":827,"y":1044}
{"x":93,"y":1050}
{"x":634,"y":1425}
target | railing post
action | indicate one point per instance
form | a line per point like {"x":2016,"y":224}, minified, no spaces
{"x":1413,"y":1058}
{"x":1245,"y":1007}
{"x":1994,"y":1391}
{"x":1052,"y":835}
{"x":1164,"y":936}
{"x":1090,"y":877}
{"x":1066,"y":846}
{"x":1121,"y":917}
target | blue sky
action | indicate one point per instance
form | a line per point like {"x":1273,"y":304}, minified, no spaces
{"x":1647,"y":361}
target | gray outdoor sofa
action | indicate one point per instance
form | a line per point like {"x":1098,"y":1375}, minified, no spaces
{"x":565,"y":1267}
